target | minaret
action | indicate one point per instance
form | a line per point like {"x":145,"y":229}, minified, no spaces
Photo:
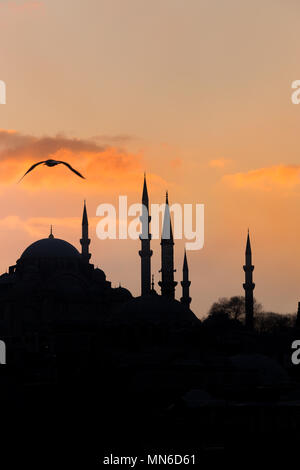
{"x":167,"y":283}
{"x":145,"y":237}
{"x":85,"y":241}
{"x":185,"y":283}
{"x":248,"y":285}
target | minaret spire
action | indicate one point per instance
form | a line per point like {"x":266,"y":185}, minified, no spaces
{"x":167,"y":283}
{"x":145,"y":237}
{"x":85,"y":240}
{"x":185,"y":283}
{"x":51,"y":232}
{"x":145,"y":197}
{"x":248,"y":285}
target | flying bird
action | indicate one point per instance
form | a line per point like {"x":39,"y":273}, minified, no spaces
{"x":52,"y":163}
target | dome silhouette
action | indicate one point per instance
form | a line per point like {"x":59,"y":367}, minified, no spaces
{"x":50,"y":248}
{"x":122,"y":294}
{"x":157,"y":310}
{"x":99,"y":275}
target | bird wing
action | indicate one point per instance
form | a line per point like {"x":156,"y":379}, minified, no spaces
{"x":30,"y":169}
{"x":72,"y":169}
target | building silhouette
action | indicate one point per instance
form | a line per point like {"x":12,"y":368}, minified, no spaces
{"x":248,"y":285}
{"x":167,"y":283}
{"x":83,"y":352}
{"x":185,"y":283}
{"x":53,"y":286}
{"x":145,"y":237}
{"x":85,"y":241}
{"x":52,"y":278}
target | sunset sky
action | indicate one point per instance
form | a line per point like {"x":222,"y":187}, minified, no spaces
{"x":197,"y":93}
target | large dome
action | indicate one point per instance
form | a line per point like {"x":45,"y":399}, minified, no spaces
{"x":50,"y":248}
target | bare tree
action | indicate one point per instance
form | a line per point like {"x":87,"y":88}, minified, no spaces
{"x":232,"y":308}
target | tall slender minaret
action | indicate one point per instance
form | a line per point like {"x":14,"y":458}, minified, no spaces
{"x":85,"y":240}
{"x":167,"y":283}
{"x":248,"y":285}
{"x":185,"y":283}
{"x":145,"y":237}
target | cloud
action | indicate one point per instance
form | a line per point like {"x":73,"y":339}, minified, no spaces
{"x":17,"y":145}
{"x":220,"y":162}
{"x":102,"y":165}
{"x":266,"y":179}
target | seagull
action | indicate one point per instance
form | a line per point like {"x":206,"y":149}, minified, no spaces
{"x":52,"y":163}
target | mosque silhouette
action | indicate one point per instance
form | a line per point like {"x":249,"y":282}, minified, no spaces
{"x":145,"y":371}
{"x":53,"y":283}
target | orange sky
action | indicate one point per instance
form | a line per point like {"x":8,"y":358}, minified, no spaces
{"x":197,"y":93}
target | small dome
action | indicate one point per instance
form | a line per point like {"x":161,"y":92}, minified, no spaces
{"x":50,"y":248}
{"x":99,"y":275}
{"x":121,"y":294}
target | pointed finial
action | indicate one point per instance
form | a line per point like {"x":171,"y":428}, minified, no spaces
{"x":84,"y":214}
{"x":185,"y":263}
{"x":145,"y":198}
{"x":167,"y":232}
{"x":248,"y":244}
{"x":51,"y":233}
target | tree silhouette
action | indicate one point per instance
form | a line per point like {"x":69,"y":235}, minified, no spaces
{"x":232,"y":308}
